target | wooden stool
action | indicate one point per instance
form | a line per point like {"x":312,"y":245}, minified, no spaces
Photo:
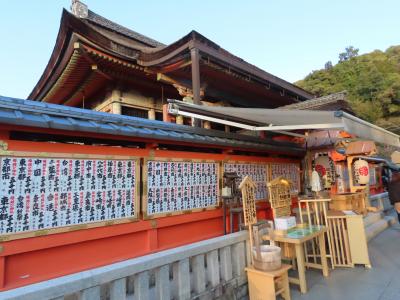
{"x":266,"y":285}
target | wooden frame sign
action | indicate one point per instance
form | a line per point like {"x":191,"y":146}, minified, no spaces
{"x":46,"y":192}
{"x":174,"y":186}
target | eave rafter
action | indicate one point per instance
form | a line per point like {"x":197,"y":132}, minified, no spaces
{"x":88,"y":60}
{"x":64,"y":76}
{"x":109,"y":58}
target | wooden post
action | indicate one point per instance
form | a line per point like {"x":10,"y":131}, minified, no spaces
{"x":179,"y":120}
{"x":247,"y":187}
{"x":194,"y":54}
{"x":152,"y":114}
{"x":2,"y":271}
{"x":301,"y":267}
{"x":166,"y":115}
{"x":324,"y":261}
{"x":207,"y":124}
{"x":116,"y":108}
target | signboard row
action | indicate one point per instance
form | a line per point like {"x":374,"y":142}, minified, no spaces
{"x":38,"y":193}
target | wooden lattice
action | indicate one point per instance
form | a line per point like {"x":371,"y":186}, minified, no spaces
{"x":281,"y":211}
{"x":280,"y":197}
{"x":248,"y":188}
{"x":279,"y":192}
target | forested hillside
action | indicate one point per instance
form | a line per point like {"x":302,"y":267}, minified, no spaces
{"x":372,"y":81}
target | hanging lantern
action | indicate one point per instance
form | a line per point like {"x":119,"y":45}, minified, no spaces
{"x":361,"y":171}
{"x":325,"y":168}
{"x":315,"y":182}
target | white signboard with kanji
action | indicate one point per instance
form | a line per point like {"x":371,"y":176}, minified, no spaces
{"x":178,"y":186}
{"x":41,"y":193}
{"x":257,"y":172}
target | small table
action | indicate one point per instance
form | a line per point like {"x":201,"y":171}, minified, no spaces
{"x":298,"y":236}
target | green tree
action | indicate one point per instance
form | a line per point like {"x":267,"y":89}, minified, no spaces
{"x":348,"y":53}
{"x":328,"y":65}
{"x":372,"y":81}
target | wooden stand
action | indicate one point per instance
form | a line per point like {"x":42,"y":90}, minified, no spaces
{"x":263,"y":285}
{"x":298,"y":242}
{"x":316,"y":212}
{"x":281,"y":200}
{"x":267,"y":285}
{"x":280,"y":197}
{"x":349,"y":243}
{"x":350,"y":201}
{"x":232,"y":201}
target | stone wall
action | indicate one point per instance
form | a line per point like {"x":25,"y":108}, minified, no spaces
{"x":210,"y":269}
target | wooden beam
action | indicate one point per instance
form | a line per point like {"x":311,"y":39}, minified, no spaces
{"x":172,"y":67}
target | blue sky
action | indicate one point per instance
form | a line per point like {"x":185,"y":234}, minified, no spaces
{"x":286,"y":38}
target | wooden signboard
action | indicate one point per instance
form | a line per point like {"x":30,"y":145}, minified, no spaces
{"x":40,"y":192}
{"x":289,"y":171}
{"x":342,"y":180}
{"x":257,"y":172}
{"x":372,"y":175}
{"x":177,"y":186}
{"x":248,"y":188}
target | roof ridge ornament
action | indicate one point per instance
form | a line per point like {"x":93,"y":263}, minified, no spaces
{"x":79,"y":9}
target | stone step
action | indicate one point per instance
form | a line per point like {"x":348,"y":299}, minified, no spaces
{"x":374,"y":229}
{"x":392,"y":220}
{"x":372,"y":217}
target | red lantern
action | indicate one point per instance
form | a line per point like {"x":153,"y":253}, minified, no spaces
{"x":324,"y":166}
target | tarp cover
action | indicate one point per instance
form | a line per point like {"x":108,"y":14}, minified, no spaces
{"x":280,"y":117}
{"x":262,"y":115}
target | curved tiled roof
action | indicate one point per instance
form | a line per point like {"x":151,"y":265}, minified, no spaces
{"x":314,"y":104}
{"x":101,"y":21}
{"x":44,"y":115}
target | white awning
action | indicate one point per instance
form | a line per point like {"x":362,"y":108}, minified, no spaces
{"x":278,"y":120}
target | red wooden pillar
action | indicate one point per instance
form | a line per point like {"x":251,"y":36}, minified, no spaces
{"x":166,"y":115}
{"x":2,"y":271}
{"x":152,"y":236}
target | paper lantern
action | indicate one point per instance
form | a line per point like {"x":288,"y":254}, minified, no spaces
{"x":326,"y":170}
{"x":361,"y":171}
{"x":315,"y":182}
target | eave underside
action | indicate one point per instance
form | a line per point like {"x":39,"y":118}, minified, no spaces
{"x":89,"y":69}
{"x":224,"y":77}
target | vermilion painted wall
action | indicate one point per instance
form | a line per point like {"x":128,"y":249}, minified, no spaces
{"x":35,"y":259}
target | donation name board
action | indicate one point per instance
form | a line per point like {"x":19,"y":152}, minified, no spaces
{"x":257,"y":172}
{"x":40,"y":193}
{"x":178,"y":186}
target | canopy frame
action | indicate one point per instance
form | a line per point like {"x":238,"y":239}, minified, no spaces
{"x":339,"y":120}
